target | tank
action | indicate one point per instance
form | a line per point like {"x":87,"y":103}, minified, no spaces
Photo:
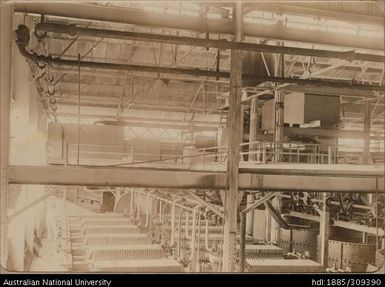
{"x":300,"y":240}
{"x":354,"y":255}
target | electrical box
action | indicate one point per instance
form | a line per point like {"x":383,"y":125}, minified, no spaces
{"x":303,"y":108}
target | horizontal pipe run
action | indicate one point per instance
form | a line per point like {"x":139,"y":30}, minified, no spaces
{"x":155,"y":178}
{"x":74,"y":30}
{"x":340,"y":223}
{"x":23,"y":40}
{"x":193,"y":23}
{"x":195,"y":72}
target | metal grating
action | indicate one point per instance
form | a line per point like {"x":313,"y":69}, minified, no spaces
{"x":283,"y":266}
{"x":157,"y":265}
{"x":111,"y":229}
{"x":129,"y":252}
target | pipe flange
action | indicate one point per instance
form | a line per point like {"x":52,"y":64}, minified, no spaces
{"x":39,"y":34}
{"x":51,"y":91}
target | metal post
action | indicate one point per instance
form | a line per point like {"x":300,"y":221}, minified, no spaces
{"x":279,"y":114}
{"x":330,"y":159}
{"x":6,"y":11}
{"x":324,"y":230}
{"x":254,"y":130}
{"x":324,"y":233}
{"x":78,"y":123}
{"x":242,"y":243}
{"x":234,"y":122}
{"x":66,"y":154}
{"x":367,"y":133}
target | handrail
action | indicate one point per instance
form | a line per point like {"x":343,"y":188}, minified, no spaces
{"x":172,"y":242}
{"x":294,"y":150}
{"x":180,"y":232}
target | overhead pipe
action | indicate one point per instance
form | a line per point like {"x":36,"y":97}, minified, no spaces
{"x":41,"y":60}
{"x":73,"y":30}
{"x":192,"y":23}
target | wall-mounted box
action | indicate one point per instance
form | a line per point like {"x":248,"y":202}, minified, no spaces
{"x":303,"y":108}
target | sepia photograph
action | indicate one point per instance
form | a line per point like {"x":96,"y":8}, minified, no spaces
{"x":167,"y":137}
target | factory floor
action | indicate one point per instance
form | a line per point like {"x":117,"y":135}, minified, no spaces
{"x":50,"y":259}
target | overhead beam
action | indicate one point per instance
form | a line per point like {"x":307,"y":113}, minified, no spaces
{"x":157,"y":125}
{"x":73,"y":30}
{"x":184,"y":22}
{"x":324,"y":132}
{"x":340,"y":223}
{"x":135,"y":106}
{"x":336,"y":170}
{"x":197,"y":72}
{"x":22,"y":42}
{"x":161,"y":178}
{"x":296,"y":9}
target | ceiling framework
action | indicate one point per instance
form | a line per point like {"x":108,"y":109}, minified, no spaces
{"x":163,"y":58}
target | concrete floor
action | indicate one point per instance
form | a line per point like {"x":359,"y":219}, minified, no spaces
{"x":50,"y":259}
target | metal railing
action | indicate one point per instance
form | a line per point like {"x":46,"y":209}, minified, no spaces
{"x":256,"y":151}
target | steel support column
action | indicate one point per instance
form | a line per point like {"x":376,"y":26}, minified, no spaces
{"x":367,"y":132}
{"x":324,"y":232}
{"x":234,"y":122}
{"x":279,"y":112}
{"x":6,"y":11}
{"x":253,"y":132}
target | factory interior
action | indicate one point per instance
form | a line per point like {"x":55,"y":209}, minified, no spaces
{"x":182,"y":136}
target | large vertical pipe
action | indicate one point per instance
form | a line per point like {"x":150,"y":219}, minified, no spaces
{"x":279,"y":111}
{"x":324,"y":232}
{"x":6,"y":11}
{"x":78,"y":123}
{"x":367,"y":132}
{"x":253,"y":131}
{"x":234,"y":122}
{"x":279,"y":117}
